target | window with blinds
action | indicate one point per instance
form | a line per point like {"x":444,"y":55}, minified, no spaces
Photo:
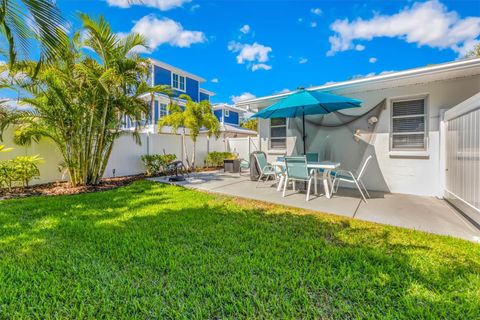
{"x":408,"y":125}
{"x":278,"y":133}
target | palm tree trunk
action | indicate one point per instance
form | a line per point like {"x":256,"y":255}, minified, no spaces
{"x":185,"y":153}
{"x":193,"y":154}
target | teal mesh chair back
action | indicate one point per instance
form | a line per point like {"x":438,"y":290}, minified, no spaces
{"x":312,"y":157}
{"x":297,"y":168}
{"x":261,"y":160}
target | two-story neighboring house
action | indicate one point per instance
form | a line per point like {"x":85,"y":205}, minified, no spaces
{"x":230,"y":118}
{"x":181,"y":82}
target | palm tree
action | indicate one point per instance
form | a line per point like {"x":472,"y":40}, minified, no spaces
{"x":24,"y":20}
{"x":3,"y":149}
{"x":197,"y":116}
{"x":81,"y":101}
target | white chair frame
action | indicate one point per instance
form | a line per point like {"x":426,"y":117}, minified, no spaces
{"x":309,"y":186}
{"x":265,"y":172}
{"x":356,"y":179}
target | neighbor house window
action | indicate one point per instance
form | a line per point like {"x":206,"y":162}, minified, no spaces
{"x":155,"y":112}
{"x":278,"y":133}
{"x":227,"y":113}
{"x":408,"y":125}
{"x":160,"y":111}
{"x":178,"y":82}
{"x":163,"y":110}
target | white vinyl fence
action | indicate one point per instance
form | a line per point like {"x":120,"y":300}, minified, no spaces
{"x":463,"y":156}
{"x":243,"y":146}
{"x":126,"y":153}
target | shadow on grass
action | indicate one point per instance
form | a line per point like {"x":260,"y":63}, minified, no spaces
{"x":151,"y":250}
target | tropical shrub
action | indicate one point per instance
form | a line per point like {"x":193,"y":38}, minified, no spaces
{"x":80,"y":98}
{"x":24,"y":20}
{"x":3,"y":149}
{"x":250,"y":124}
{"x":157,"y":163}
{"x":22,"y":169}
{"x":25,"y":168}
{"x":196,"y":116}
{"x":7,"y":174}
{"x":215,"y":159}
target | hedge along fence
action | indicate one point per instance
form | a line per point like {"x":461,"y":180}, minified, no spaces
{"x":215,"y":159}
{"x":19,"y":171}
{"x":157,"y":163}
{"x":126,"y":154}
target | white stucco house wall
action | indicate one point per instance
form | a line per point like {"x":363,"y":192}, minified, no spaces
{"x":399,"y":123}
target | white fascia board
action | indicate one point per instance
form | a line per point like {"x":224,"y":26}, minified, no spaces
{"x":410,"y":73}
{"x":225,"y":106}
{"x":210,"y":93}
{"x":176,"y":70}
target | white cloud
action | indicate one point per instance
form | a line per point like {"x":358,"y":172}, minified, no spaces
{"x":245,"y":29}
{"x":371,"y":74}
{"x":313,"y":24}
{"x":243,"y":97}
{"x":194,"y":7}
{"x":285,"y":90}
{"x":372,"y":60}
{"x":255,"y":55}
{"x":215,"y":80}
{"x":163,"y":5}
{"x":261,"y":66}
{"x":424,"y":23}
{"x":359,"y":47}
{"x":316,"y":11}
{"x":166,"y":31}
{"x":302,"y":60}
{"x":300,"y":20}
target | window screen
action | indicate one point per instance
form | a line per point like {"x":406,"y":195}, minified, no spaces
{"x":278,"y":133}
{"x":408,"y":126}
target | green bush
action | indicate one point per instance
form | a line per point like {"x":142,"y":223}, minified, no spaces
{"x":215,"y":159}
{"x":22,"y":169}
{"x":7,"y":174}
{"x":157,"y":163}
{"x":26,"y":168}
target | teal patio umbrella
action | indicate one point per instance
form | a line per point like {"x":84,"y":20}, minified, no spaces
{"x":303,"y":103}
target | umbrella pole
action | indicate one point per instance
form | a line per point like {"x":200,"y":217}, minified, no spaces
{"x":303,"y":133}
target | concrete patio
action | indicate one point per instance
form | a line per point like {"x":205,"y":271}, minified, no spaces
{"x":427,"y":214}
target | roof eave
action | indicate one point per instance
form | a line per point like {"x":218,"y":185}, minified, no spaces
{"x":177,"y":70}
{"x":449,"y":66}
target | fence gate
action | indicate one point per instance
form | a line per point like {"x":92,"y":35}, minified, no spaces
{"x":462,"y":185}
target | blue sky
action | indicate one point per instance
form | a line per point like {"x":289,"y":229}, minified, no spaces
{"x":255,"y":48}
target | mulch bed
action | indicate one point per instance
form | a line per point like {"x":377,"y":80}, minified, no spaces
{"x":64,"y":188}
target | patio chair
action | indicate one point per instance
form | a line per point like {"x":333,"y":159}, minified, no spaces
{"x":177,"y":171}
{"x":244,"y":165}
{"x":350,"y":177}
{"x":312,"y":156}
{"x":266,"y":169}
{"x":297,"y":170}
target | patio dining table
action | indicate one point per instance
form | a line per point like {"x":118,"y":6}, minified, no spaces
{"x":327,"y":167}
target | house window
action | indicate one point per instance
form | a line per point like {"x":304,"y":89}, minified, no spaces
{"x":155,"y":112}
{"x":408,"y":130}
{"x":227,"y":113}
{"x":278,"y":133}
{"x":160,"y":111}
{"x":178,"y":82}
{"x":163,"y":110}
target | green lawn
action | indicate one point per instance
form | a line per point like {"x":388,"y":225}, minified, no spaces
{"x":156,"y":251}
